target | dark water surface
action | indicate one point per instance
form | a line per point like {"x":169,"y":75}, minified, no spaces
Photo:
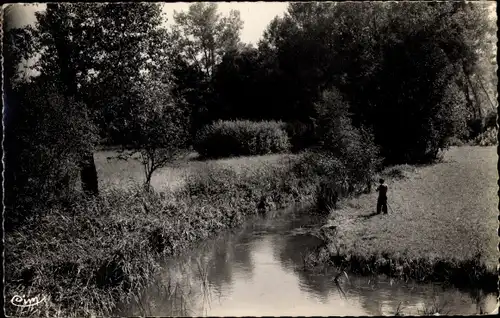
{"x":258,"y":271}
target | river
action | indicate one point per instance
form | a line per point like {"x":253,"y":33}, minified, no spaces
{"x":258,"y":271}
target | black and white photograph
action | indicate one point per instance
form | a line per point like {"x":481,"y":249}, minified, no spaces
{"x":250,"y":159}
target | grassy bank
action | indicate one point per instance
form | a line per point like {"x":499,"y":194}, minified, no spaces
{"x":87,"y":256}
{"x":441,"y":226}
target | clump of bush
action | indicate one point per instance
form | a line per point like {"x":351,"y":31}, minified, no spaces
{"x":45,"y":137}
{"x":344,"y":156}
{"x":455,"y":142}
{"x":300,"y":135}
{"x":241,"y":138}
{"x":487,"y":138}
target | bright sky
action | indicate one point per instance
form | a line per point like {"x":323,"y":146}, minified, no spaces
{"x":255,"y":15}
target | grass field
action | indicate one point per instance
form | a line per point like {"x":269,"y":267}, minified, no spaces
{"x":115,"y":173}
{"x":446,"y":211}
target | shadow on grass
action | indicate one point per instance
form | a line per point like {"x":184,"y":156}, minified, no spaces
{"x":367,"y":216}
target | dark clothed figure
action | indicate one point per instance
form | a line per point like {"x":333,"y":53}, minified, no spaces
{"x":382,"y":197}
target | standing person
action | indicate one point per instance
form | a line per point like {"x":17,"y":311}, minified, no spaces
{"x":382,"y":197}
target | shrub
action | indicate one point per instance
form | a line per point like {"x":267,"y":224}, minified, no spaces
{"x":490,"y":120}
{"x":455,"y":142}
{"x":343,"y":157}
{"x":336,"y":137}
{"x":487,"y":138}
{"x":241,"y":138}
{"x":249,"y":188}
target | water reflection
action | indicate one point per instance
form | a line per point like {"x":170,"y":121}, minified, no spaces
{"x":259,"y":271}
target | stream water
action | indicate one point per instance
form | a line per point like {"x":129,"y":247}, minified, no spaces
{"x":258,"y":271}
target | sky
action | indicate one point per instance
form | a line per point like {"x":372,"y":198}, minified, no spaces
{"x":255,"y":15}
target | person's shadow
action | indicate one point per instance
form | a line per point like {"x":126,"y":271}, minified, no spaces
{"x":368,"y":216}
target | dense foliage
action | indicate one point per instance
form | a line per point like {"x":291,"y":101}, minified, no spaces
{"x":50,"y":131}
{"x":414,"y":74}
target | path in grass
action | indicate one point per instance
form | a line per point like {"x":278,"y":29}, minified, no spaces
{"x":445,"y":210}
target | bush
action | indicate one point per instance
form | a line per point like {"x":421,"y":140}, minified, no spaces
{"x":343,"y":157}
{"x":490,"y":120}
{"x":487,"y":138}
{"x":241,"y":138}
{"x":336,"y":137}
{"x":455,"y":142}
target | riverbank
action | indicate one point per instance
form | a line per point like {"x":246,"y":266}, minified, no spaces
{"x":257,"y":270}
{"x":84,"y":257}
{"x":441,"y":225}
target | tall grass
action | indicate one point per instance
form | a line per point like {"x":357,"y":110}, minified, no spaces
{"x":459,"y":273}
{"x":87,"y":256}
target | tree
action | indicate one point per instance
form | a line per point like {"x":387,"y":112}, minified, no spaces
{"x":204,"y":35}
{"x":131,"y":41}
{"x":96,"y":51}
{"x":158,"y":128}
{"x":353,"y":46}
{"x":335,"y":135}
{"x":236,"y":86}
{"x":201,"y":37}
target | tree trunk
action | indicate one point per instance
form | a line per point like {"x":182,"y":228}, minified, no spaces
{"x":88,"y":174}
{"x":88,"y":171}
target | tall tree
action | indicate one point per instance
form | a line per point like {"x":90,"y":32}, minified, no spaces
{"x":237,"y":86}
{"x":205,"y":35}
{"x":96,"y":51}
{"x":202,"y":37}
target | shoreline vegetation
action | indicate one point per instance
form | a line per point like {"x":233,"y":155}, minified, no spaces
{"x":87,"y":256}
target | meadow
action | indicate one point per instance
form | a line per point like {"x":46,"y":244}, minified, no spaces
{"x":125,"y":174}
{"x":445,"y":212}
